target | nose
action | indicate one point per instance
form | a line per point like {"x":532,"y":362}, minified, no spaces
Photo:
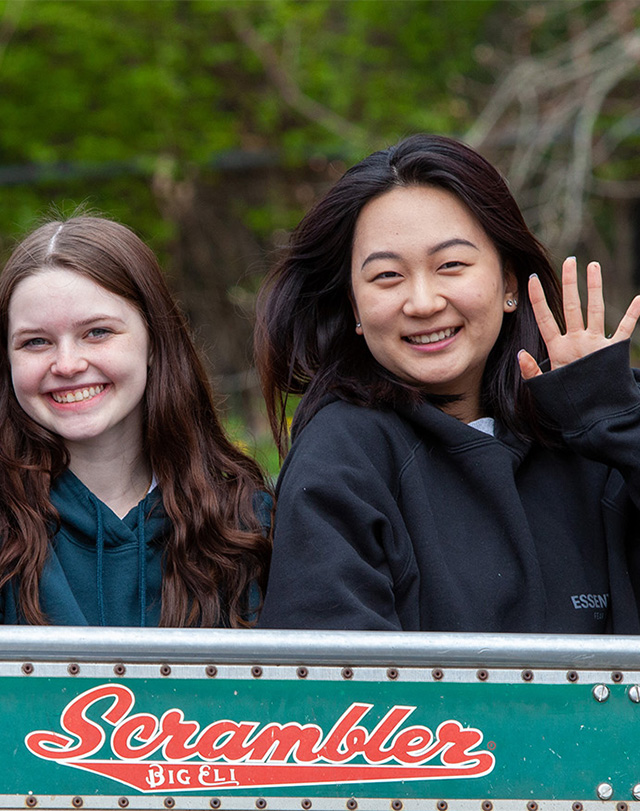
{"x":68,"y":360}
{"x":424,"y":298}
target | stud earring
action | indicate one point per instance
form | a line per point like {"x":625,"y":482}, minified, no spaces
{"x":358,"y":325}
{"x":512,"y":302}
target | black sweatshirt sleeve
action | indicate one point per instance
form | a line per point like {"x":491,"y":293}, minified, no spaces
{"x":335,"y":562}
{"x":595,"y":402}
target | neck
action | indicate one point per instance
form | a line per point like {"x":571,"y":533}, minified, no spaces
{"x":119,"y":479}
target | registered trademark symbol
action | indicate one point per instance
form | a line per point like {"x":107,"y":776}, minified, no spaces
{"x":491,"y":745}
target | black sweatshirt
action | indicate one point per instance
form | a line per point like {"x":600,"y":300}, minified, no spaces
{"x":412,"y":520}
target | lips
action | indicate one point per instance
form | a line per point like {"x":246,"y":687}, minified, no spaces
{"x":431,"y":337}
{"x":77,"y":395}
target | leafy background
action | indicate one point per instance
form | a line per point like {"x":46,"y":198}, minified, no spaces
{"x":210,"y":126}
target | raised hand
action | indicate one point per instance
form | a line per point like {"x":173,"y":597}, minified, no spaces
{"x":578,"y":340}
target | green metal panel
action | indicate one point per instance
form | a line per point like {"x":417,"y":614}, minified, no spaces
{"x":325,"y":735}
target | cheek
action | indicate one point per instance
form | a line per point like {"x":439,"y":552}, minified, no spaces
{"x":376,"y":310}
{"x":24,"y":377}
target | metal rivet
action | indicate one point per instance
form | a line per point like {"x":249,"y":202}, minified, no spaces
{"x":442,"y":805}
{"x":576,"y":807}
{"x":392,"y":673}
{"x":572,"y":675}
{"x":306,"y":804}
{"x":169,"y":802}
{"x":622,"y":807}
{"x":482,"y":675}
{"x":261,"y":802}
{"x":532,"y":805}
{"x":397,"y":805}
{"x":256,"y":671}
{"x":165,"y":670}
{"x":77,"y":802}
{"x":27,"y":668}
{"x":600,"y":693}
{"x":31,"y":801}
{"x":73,"y":669}
{"x":437,"y":673}
{"x":634,"y":694}
{"x":347,"y":673}
{"x":604,"y":790}
{"x":617,"y":676}
{"x":487,"y":805}
{"x":302,"y":672}
{"x":123,"y":802}
{"x":214,"y":802}
{"x":351,"y":804}
{"x":119,"y":669}
{"x":636,"y":791}
{"x":211,"y":671}
{"x":527,"y":675}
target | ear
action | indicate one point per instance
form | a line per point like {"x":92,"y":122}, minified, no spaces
{"x":355,"y":313}
{"x":510,"y":291}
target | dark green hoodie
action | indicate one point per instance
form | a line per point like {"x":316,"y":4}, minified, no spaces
{"x":101,"y":570}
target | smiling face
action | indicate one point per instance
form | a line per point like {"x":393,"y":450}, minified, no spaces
{"x":429,"y":291}
{"x":79,"y":357}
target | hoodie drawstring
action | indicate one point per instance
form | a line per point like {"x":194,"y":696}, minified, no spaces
{"x":100,"y":560}
{"x":142,"y":566}
{"x":142,"y":562}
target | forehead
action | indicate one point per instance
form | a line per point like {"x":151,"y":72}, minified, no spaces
{"x":57,"y":295}
{"x":415,"y":214}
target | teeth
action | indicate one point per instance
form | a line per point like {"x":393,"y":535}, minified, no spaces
{"x":432,"y":337}
{"x":77,"y":395}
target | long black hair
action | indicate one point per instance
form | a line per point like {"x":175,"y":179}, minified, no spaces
{"x":305,"y":340}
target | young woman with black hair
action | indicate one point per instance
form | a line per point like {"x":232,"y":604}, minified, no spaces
{"x":122,"y":502}
{"x":438,"y":480}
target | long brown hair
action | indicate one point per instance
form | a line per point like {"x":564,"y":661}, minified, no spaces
{"x":210,"y":489}
{"x":305,"y":340}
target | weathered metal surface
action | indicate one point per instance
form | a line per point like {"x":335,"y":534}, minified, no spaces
{"x":203,"y":719}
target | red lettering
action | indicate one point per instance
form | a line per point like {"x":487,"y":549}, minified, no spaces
{"x":343,"y":743}
{"x":135,"y":737}
{"x":141,"y":727}
{"x":373,"y":750}
{"x":234,"y":744}
{"x":178,"y":731}
{"x":73,"y":720}
{"x":458,"y":741}
{"x":276,"y":742}
{"x":412,"y":745}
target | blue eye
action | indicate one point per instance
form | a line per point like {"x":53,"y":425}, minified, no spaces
{"x":98,"y":332}
{"x":35,"y":342}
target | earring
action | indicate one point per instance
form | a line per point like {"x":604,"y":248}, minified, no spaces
{"x":358,"y":325}
{"x":512,"y":302}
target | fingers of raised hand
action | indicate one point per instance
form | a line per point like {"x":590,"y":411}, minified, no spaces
{"x":595,"y":300}
{"x":629,"y":321}
{"x":547,"y":324}
{"x":528,"y":366}
{"x":571,"y":303}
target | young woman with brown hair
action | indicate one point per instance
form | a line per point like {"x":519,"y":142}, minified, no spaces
{"x":122,"y":502}
{"x":437,"y":479}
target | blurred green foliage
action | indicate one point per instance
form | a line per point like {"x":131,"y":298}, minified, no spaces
{"x":109,"y":103}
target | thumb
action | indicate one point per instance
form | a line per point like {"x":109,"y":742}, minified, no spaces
{"x":528,"y":365}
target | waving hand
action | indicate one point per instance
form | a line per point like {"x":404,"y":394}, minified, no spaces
{"x":578,"y":340}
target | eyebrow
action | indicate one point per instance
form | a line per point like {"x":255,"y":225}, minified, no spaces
{"x":441,"y":246}
{"x":450,"y":243}
{"x":85,"y":322}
